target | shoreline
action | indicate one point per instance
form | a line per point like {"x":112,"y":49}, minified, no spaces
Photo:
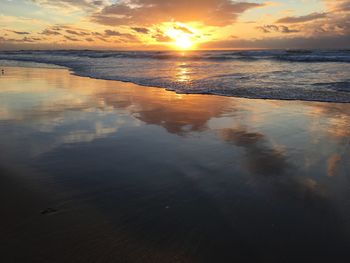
{"x":74,"y":72}
{"x":71,"y":72}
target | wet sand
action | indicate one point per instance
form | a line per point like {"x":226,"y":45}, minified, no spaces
{"x":104,"y":171}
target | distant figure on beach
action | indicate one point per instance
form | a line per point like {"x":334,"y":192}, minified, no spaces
{"x":2,"y":72}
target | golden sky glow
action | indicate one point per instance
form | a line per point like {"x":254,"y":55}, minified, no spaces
{"x":174,"y":24}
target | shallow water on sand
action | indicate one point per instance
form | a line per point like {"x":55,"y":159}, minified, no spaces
{"x":103,"y":171}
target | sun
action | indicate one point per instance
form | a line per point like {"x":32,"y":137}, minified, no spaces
{"x":183,"y":42}
{"x":182,"y":37}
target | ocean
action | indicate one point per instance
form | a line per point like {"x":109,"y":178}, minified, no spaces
{"x":312,"y":75}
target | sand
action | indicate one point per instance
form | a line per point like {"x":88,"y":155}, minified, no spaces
{"x":105,"y":171}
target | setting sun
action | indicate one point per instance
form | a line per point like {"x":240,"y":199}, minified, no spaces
{"x":182,"y":36}
{"x":184,"y":42}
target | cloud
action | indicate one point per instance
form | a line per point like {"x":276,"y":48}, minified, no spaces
{"x":73,"y":32}
{"x":58,"y":30}
{"x":86,"y":5}
{"x":287,"y":30}
{"x":338,"y":5}
{"x":30,"y":39}
{"x":160,"y":37}
{"x":343,"y":6}
{"x":99,"y":36}
{"x":330,"y":29}
{"x":19,"y":32}
{"x":149,"y":12}
{"x":123,"y":36}
{"x":25,"y":39}
{"x":335,"y":23}
{"x":142,"y":30}
{"x":49,"y":32}
{"x":278,"y":29}
{"x":302,"y":19}
{"x":183,"y":29}
{"x":71,"y":38}
{"x":112,"y":33}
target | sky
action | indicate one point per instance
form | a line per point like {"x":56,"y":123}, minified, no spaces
{"x":174,"y":24}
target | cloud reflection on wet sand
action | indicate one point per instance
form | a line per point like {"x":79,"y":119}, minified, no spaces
{"x":180,"y":177}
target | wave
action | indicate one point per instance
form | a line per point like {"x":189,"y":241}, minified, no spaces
{"x":281,"y":55}
{"x":343,"y":86}
{"x":263,"y":74}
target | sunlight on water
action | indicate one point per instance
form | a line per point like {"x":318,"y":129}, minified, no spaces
{"x":271,"y":74}
{"x":183,"y":73}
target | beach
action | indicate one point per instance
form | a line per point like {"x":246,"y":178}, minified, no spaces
{"x":106,"y":171}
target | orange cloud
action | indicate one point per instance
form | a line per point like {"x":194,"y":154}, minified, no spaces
{"x":302,"y":19}
{"x":279,"y":29}
{"x":149,"y":12}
